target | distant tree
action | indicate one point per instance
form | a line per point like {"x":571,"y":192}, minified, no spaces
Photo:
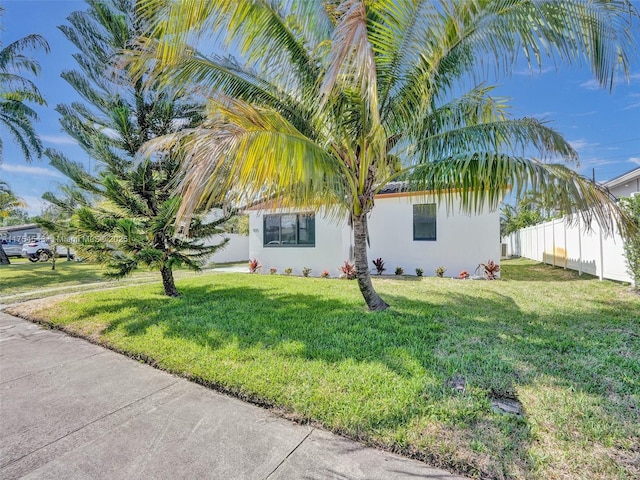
{"x":531,"y":209}
{"x":10,"y":204}
{"x":16,"y":92}
{"x":632,"y":242}
{"x":124,"y":215}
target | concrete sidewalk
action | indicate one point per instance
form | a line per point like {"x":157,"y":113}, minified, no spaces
{"x":73,"y":410}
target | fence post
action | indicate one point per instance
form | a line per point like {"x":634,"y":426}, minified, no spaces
{"x":601,"y":254}
{"x":566,"y":249}
{"x":553,"y":242}
{"x":579,"y":246}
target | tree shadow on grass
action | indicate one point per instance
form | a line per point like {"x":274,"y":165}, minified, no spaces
{"x":493,"y":345}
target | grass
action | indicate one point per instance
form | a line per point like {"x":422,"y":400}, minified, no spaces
{"x":36,"y":280}
{"x":23,"y":277}
{"x":566,"y":347}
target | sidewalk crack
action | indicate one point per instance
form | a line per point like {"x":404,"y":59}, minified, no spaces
{"x":289,"y":454}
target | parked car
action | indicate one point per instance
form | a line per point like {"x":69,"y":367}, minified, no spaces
{"x":11,"y":248}
{"x":39,"y":250}
{"x":36,"y":250}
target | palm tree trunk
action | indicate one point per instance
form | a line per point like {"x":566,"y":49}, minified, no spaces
{"x":169,"y":285}
{"x":374,"y":302}
{"x":4,"y":260}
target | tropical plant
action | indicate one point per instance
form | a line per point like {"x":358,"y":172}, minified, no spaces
{"x":124,"y":215}
{"x":632,"y":242}
{"x":463,"y":275}
{"x":348,"y":270}
{"x":440,"y":271}
{"x":331,"y":100}
{"x":288,"y":271}
{"x":325,"y":274}
{"x":254,"y":265}
{"x":306,"y":271}
{"x":273,"y":270}
{"x":531,"y":209}
{"x":379,"y":264}
{"x":419,"y":272}
{"x":17,"y":91}
{"x":489,"y":269}
{"x":9,"y":204}
{"x":399,"y":271}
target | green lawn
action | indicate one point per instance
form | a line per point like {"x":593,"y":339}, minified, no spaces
{"x":23,"y":276}
{"x":566,"y":347}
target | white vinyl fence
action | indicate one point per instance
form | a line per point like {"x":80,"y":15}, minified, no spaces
{"x":572,"y":246}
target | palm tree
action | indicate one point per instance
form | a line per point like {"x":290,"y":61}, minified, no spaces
{"x":17,"y":91}
{"x":331,"y":100}
{"x":9,"y":203}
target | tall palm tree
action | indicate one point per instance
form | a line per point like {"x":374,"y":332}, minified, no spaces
{"x":331,"y":100}
{"x":16,"y":92}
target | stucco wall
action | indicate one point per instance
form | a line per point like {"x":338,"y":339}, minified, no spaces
{"x":463,"y":241}
{"x":236,"y":249}
{"x":627,"y":189}
{"x":330,"y":250}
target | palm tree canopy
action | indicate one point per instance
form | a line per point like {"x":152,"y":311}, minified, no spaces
{"x":17,"y":91}
{"x":331,"y":100}
{"x":334,"y":99}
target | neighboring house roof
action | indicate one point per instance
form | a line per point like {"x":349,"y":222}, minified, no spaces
{"x":394,"y":187}
{"x":15,"y":228}
{"x":623,"y":179}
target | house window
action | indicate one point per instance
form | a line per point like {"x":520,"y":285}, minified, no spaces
{"x":424,"y":221}
{"x":290,"y":229}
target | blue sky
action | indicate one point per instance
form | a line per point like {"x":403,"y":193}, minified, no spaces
{"x":603,"y":127}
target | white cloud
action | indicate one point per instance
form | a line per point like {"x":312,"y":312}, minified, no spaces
{"x":581,"y":144}
{"x":530,"y":72}
{"x":590,"y":85}
{"x":35,"y":205}
{"x":632,"y":105}
{"x":635,"y":160}
{"x":58,"y":139}
{"x":543,"y":115}
{"x":30,"y":170}
{"x":584,"y":114}
{"x":619,"y":80}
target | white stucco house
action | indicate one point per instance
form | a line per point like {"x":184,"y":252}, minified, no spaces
{"x":625,"y":185}
{"x":406,"y":229}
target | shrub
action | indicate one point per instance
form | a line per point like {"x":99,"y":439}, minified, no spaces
{"x":348,"y":270}
{"x":463,"y":274}
{"x":254,"y":266}
{"x":325,"y":274}
{"x":379,"y":264}
{"x":631,"y":206}
{"x":419,"y":272}
{"x":273,"y":270}
{"x":399,"y":271}
{"x":306,"y":271}
{"x":490,"y":269}
{"x":440,"y":271}
{"x":288,"y":270}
